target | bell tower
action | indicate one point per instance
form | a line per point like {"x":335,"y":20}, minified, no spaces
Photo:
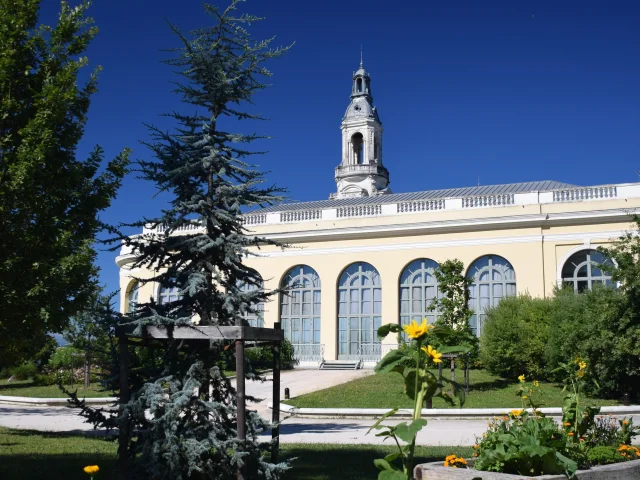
{"x":360,"y":173}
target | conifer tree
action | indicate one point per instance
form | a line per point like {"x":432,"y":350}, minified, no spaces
{"x":189,"y":429}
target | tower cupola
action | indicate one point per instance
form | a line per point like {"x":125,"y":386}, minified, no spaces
{"x":360,"y":173}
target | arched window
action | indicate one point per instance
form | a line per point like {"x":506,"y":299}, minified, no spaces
{"x":359,"y":85}
{"x":300,"y":305}
{"x":132,"y":298}
{"x":359,"y":309}
{"x":581,"y":271}
{"x":256,"y":318}
{"x":357,"y":142}
{"x":168,"y":294}
{"x":493,"y":278}
{"x":418,"y":289}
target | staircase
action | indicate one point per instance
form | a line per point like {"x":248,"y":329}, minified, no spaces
{"x":340,"y":365}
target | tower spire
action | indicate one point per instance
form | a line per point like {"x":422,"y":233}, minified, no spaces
{"x":360,"y":172}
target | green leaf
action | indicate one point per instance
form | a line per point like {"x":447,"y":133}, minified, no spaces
{"x":407,"y":432}
{"x":383,"y":418}
{"x":389,"y":361}
{"x":458,"y":390}
{"x":392,"y":456}
{"x":391,"y":475}
{"x":383,"y":464}
{"x":384,"y":330}
{"x":455,"y":349}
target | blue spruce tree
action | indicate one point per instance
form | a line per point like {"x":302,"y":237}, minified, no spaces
{"x":181,"y":417}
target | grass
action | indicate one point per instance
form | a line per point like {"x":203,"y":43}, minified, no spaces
{"x":387,"y":391}
{"x":27,"y":388}
{"x":56,"y":456}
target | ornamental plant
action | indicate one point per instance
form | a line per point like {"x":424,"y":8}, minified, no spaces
{"x":412,"y":360}
{"x":91,"y":470}
{"x":180,"y":421}
{"x":577,"y":417}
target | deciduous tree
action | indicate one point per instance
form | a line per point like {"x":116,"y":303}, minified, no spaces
{"x":49,"y":197}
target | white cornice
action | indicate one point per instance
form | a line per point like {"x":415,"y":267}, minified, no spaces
{"x":579,"y":236}
{"x":458,"y":225}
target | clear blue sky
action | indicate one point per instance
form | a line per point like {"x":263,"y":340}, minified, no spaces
{"x":507,"y":91}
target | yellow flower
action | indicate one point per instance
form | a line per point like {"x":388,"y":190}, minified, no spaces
{"x":567,"y":424}
{"x":516,"y":413}
{"x":433,"y":353}
{"x":521,"y":378}
{"x":536,"y":383}
{"x":413,"y":330}
{"x":625,"y":422}
{"x":524,"y":397}
{"x":91,"y":469}
{"x":582,"y":365}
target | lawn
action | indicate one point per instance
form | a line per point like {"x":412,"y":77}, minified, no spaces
{"x":54,"y":456}
{"x":387,"y":391}
{"x":26,"y":388}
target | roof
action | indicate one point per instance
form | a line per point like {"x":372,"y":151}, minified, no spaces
{"x":544,"y":185}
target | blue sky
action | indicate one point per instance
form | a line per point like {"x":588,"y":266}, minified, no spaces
{"x":503,"y":91}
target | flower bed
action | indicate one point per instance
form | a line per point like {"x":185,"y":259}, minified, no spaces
{"x":437,"y":471}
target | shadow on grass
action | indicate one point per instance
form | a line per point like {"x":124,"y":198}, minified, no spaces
{"x":16,"y":386}
{"x":56,"y":466}
{"x":349,"y":462}
{"x":497,"y":384}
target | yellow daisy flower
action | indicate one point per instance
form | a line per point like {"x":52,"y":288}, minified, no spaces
{"x":433,"y":353}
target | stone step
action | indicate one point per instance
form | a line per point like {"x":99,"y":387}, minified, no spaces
{"x":340,"y":365}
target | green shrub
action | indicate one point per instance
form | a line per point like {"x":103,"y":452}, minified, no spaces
{"x":525,"y":445}
{"x":24,"y":372}
{"x":515,"y":336}
{"x":262,"y":357}
{"x":45,"y":379}
{"x":66,"y":358}
{"x":595,"y":327}
{"x":603,"y":455}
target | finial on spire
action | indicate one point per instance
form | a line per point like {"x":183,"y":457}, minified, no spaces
{"x":360,"y":55}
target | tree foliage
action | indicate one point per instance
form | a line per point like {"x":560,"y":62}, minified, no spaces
{"x":452,"y":304}
{"x":49,"y":198}
{"x":184,"y":408}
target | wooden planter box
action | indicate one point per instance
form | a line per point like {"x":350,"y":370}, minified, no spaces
{"x":437,"y":471}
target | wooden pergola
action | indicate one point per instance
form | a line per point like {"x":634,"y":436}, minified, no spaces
{"x":239,"y":334}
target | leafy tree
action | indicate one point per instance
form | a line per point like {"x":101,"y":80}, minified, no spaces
{"x":186,"y":409}
{"x":49,"y":199}
{"x":452,"y":304}
{"x":87,"y":334}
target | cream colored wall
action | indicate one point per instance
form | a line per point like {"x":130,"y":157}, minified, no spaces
{"x":535,"y":252}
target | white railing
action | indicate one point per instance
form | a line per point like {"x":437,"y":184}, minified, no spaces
{"x":588,"y":193}
{"x":359,"y":211}
{"x":420,"y":206}
{"x":488,"y":200}
{"x":577,"y":194}
{"x":254,"y":218}
{"x":300,"y":215}
{"x":373,"y":352}
{"x":308,"y":352}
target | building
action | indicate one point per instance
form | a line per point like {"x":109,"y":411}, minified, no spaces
{"x":366,"y":255}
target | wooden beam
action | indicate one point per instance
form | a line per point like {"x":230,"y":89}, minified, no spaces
{"x":196,"y":332}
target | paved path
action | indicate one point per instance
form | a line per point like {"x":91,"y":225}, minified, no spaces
{"x":298,"y":382}
{"x":293,"y":430}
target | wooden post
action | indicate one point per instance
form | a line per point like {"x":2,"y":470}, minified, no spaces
{"x":123,"y":431}
{"x":466,"y":373}
{"x":453,"y":369}
{"x":240,"y":399}
{"x":87,"y":371}
{"x":275,"y":413}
